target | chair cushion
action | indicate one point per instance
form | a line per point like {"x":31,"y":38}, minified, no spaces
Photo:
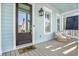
{"x":61,"y":38}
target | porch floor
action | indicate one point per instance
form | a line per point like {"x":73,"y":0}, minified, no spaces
{"x":50,"y":48}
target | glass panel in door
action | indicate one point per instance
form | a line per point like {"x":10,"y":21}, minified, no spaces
{"x":23,"y":19}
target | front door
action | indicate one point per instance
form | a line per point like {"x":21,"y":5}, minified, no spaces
{"x":23,"y":23}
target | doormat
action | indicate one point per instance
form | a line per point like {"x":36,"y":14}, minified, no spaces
{"x":26,"y":49}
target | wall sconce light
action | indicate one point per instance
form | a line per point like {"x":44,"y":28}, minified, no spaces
{"x":41,"y":12}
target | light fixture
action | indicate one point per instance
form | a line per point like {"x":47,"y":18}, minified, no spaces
{"x":41,"y":12}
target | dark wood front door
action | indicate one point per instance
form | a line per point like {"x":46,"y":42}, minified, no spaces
{"x":23,"y":23}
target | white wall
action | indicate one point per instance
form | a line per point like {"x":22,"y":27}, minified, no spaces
{"x":39,"y":23}
{"x":7,"y":26}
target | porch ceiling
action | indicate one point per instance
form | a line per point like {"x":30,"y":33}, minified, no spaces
{"x":64,"y":7}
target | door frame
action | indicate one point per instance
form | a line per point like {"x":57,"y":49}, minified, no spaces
{"x":14,"y":29}
{"x":26,"y":36}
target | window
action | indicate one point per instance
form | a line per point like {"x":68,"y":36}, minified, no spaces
{"x":47,"y":21}
{"x":58,"y":20}
{"x":58,"y":24}
{"x":23,"y":18}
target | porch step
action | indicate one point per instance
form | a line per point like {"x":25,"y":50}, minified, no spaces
{"x":26,"y":49}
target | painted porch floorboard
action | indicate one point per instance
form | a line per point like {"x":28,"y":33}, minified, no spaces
{"x":41,"y":49}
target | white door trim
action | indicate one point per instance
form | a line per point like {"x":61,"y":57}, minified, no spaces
{"x":0,"y":31}
{"x":14,"y":29}
{"x":14,"y":26}
{"x":33,"y":23}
